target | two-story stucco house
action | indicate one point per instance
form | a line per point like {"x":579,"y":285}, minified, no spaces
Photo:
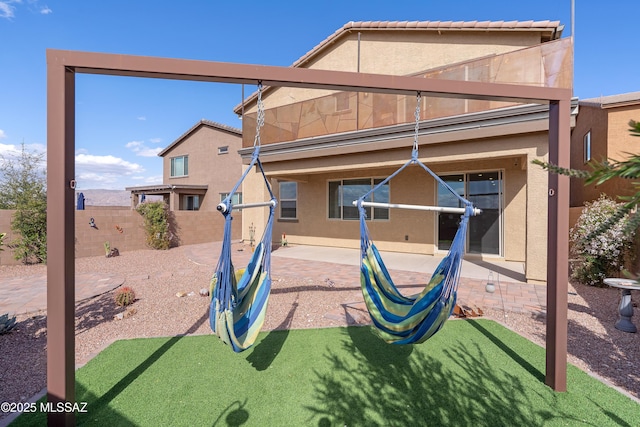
{"x":322,"y":149}
{"x":198,"y":168}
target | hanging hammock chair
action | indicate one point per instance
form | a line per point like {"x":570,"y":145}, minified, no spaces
{"x":400,"y":319}
{"x":239,"y":297}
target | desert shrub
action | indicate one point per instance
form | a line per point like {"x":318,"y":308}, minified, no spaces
{"x":124,"y":296}
{"x":602,"y":254}
{"x":156,"y":224}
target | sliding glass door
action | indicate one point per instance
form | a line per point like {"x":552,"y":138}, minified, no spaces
{"x":484,"y":190}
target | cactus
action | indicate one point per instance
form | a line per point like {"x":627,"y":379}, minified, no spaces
{"x":125,"y":296}
{"x":107,"y":248}
{"x":6,"y":323}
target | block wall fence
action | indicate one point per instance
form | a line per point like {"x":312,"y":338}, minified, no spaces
{"x":123,"y":228}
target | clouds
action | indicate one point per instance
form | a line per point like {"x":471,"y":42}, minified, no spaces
{"x":141,"y":149}
{"x":2,"y":134}
{"x":8,"y":8}
{"x":8,"y":150}
{"x":104,"y":171}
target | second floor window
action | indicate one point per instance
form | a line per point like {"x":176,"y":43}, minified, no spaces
{"x":180,"y":166}
{"x":586,"y":141}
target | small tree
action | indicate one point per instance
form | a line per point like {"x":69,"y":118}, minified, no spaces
{"x":156,"y":224}
{"x":23,"y":188}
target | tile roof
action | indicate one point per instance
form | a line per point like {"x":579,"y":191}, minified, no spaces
{"x":553,"y":29}
{"x":612,"y":100}
{"x":202,"y":122}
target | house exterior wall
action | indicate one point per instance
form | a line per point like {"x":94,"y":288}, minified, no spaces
{"x":206,"y":167}
{"x":610,"y":139}
{"x":594,"y":120}
{"x":524,"y":196}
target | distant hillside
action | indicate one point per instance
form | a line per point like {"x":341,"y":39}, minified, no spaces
{"x":106,"y":197}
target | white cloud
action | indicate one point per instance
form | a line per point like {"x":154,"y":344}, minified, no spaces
{"x":140,"y":148}
{"x":6,"y":10}
{"x":153,"y":179}
{"x":106,"y":172}
{"x":134,"y":144}
{"x":2,"y":134}
{"x":8,"y":149}
{"x":155,"y":140}
{"x":142,"y":118}
{"x":107,"y":165}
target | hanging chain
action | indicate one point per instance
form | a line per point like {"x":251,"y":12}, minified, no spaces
{"x":417,"y":128}
{"x":260,"y":116}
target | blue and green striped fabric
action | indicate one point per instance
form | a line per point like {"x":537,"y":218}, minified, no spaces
{"x":239,"y":297}
{"x":400,"y":319}
{"x":238,"y":320}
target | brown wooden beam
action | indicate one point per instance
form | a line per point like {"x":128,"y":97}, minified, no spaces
{"x":558,"y":247}
{"x":60,"y":241}
{"x":225,"y":72}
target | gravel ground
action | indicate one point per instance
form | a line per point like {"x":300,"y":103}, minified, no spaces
{"x":156,"y":276}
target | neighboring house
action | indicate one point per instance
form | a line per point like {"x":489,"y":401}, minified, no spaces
{"x":324,"y":148}
{"x":198,"y":168}
{"x":602,"y":132}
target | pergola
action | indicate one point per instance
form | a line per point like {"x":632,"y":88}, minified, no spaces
{"x":61,"y":69}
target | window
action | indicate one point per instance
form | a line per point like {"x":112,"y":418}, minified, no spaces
{"x":235,"y":200}
{"x":191,"y":203}
{"x":180,"y":166}
{"x":223,"y":150}
{"x":343,"y":193}
{"x":288,"y":200}
{"x":586,"y":143}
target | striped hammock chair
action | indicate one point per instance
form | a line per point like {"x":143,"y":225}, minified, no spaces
{"x":239,"y":297}
{"x":400,"y":319}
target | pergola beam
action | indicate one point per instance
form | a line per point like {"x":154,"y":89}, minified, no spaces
{"x":61,"y":68}
{"x":226,"y":72}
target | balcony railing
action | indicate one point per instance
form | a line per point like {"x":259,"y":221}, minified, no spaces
{"x":549,"y":64}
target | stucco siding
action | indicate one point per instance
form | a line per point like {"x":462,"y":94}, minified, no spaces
{"x":206,"y":166}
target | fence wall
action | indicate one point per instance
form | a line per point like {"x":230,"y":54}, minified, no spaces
{"x":123,"y":228}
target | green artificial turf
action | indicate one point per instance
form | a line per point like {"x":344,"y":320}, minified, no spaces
{"x":471,"y":373}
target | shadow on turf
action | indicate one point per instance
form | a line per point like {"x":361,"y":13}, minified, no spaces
{"x":404,"y":385}
{"x":265,"y":352}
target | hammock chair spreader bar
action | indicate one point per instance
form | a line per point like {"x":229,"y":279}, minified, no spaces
{"x":223,"y":208}
{"x":441,"y":209}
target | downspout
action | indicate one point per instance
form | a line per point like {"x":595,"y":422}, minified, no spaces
{"x":358,"y":93}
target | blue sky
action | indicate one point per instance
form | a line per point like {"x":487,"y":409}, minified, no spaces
{"x":123,"y":122}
